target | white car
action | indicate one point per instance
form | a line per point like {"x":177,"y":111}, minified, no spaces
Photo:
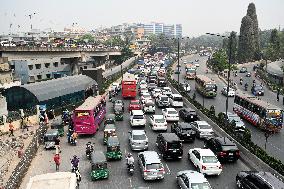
{"x":167,"y":91}
{"x":205,"y":161}
{"x":170,"y":114}
{"x":189,"y":179}
{"x":156,"y":93}
{"x":142,"y":91}
{"x":137,"y":118}
{"x":158,"y":122}
{"x":231,"y":92}
{"x":145,"y":97}
{"x":149,"y":106}
{"x":176,"y":100}
{"x":202,"y":129}
{"x":138,"y":140}
{"x":186,"y":87}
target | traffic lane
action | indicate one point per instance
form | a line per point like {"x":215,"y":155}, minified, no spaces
{"x":172,"y":167}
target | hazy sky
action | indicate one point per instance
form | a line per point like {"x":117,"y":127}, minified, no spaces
{"x":196,"y":16}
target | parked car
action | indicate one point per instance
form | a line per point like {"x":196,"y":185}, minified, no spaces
{"x":134,"y":105}
{"x":243,"y":70}
{"x":163,"y":101}
{"x":223,"y":148}
{"x":151,"y":165}
{"x":184,"y":131}
{"x":240,"y":126}
{"x":169,"y":145}
{"x":257,"y":90}
{"x":138,"y":140}
{"x":231,"y":92}
{"x":258,"y":180}
{"x":158,"y":122}
{"x":170,"y":114}
{"x":205,"y":161}
{"x":189,"y":179}
{"x":202,"y":128}
{"x":188,"y":114}
{"x":149,"y":106}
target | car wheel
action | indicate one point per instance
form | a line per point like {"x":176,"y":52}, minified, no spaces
{"x":239,"y":185}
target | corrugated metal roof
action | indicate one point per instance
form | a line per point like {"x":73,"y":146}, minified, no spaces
{"x":50,"y":89}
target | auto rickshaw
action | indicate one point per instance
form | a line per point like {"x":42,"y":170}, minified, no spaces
{"x":59,"y":127}
{"x":99,"y":166}
{"x":49,"y":138}
{"x":110,"y":119}
{"x":109,"y":131}
{"x":113,"y":149}
{"x":118,"y":111}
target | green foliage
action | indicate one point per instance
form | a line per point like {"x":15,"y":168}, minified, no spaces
{"x":219,"y":60}
{"x":162,"y":40}
{"x":87,"y":38}
{"x":115,"y":41}
{"x":204,"y":41}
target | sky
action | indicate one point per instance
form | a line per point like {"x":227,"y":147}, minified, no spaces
{"x":196,"y":16}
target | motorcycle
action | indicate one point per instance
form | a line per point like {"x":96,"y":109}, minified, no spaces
{"x":74,"y":165}
{"x":246,"y":87}
{"x":130,"y":169}
{"x":78,"y":176}
{"x":241,"y":82}
{"x":89,"y":150}
{"x":73,"y":141}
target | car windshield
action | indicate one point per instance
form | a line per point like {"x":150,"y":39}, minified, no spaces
{"x":204,"y":126}
{"x":204,"y":185}
{"x":160,"y":120}
{"x":258,"y":88}
{"x":135,"y":103}
{"x":164,"y":98}
{"x":209,"y":159}
{"x":186,"y":127}
{"x":174,"y":145}
{"x":150,"y":103}
{"x":229,"y":147}
{"x":172,"y":112}
{"x":146,"y":95}
{"x":179,"y":99}
{"x":138,"y":117}
{"x":210,"y":86}
{"x":154,"y":166}
{"x":139,"y":137}
{"x":235,"y":118}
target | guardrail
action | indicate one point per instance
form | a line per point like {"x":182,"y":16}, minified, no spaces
{"x":21,"y":169}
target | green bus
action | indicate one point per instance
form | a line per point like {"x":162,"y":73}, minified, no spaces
{"x":205,"y":86}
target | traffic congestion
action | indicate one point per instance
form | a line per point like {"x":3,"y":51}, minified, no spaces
{"x":144,"y":134}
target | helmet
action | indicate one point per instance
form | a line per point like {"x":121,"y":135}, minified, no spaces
{"x":74,"y":156}
{"x":129,"y":154}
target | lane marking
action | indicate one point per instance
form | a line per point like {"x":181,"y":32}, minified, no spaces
{"x":130,"y":182}
{"x":169,"y":171}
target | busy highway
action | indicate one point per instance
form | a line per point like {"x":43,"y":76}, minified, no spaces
{"x":275,"y":142}
{"x":119,"y":178}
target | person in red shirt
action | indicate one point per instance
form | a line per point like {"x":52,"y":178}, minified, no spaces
{"x":56,"y":159}
{"x":11,"y":129}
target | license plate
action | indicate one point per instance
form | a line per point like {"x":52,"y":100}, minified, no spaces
{"x":154,"y":173}
{"x":174,"y":150}
{"x":191,"y":116}
{"x":230,"y":154}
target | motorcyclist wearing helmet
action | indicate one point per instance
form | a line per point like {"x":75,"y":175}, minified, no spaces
{"x":130,"y":159}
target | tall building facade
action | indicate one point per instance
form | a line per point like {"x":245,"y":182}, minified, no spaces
{"x":170,"y":30}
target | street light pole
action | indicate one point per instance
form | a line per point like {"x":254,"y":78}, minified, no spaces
{"x":229,"y":73}
{"x":178,"y":60}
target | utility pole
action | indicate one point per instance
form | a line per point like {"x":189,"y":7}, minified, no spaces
{"x":229,"y":73}
{"x":178,"y":60}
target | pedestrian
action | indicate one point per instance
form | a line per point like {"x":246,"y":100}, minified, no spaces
{"x":57,"y":145}
{"x":11,"y":129}
{"x":26,"y":124}
{"x":56,"y":159}
{"x":278,"y":93}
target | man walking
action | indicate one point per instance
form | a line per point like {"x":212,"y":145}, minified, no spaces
{"x":56,"y":159}
{"x":11,"y":129}
{"x":278,"y":93}
{"x":57,"y":145}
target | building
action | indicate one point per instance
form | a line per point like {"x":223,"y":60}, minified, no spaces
{"x":169,"y":30}
{"x":34,"y":70}
{"x":6,"y":76}
{"x":178,"y":30}
{"x":148,"y":29}
{"x":53,"y":93}
{"x":158,"y":28}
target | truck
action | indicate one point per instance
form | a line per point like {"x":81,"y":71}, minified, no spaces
{"x":62,"y":180}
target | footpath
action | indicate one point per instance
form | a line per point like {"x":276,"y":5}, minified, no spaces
{"x":11,"y":148}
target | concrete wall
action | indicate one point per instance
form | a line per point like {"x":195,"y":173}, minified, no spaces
{"x":3,"y":106}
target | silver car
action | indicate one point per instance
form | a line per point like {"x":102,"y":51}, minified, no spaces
{"x":189,"y":179}
{"x":138,"y":140}
{"x":202,"y":128}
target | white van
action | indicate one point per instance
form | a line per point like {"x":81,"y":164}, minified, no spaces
{"x":176,"y":100}
{"x":137,"y":118}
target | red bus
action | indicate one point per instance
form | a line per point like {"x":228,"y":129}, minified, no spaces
{"x":128,"y":86}
{"x":89,"y":115}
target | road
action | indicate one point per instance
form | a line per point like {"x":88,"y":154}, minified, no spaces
{"x":43,"y":162}
{"x":275,"y":144}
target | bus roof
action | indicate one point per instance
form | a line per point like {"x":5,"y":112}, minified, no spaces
{"x":62,"y":180}
{"x":190,"y":66}
{"x":128,"y":77}
{"x":90,"y":103}
{"x":255,"y":100}
{"x":204,"y":78}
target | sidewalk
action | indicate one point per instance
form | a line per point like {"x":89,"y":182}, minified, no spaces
{"x":9,"y":146}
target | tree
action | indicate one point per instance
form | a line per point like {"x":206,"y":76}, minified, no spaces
{"x":219,"y":60}
{"x":272,"y":51}
{"x":251,"y":12}
{"x":87,"y":38}
{"x":233,"y":46}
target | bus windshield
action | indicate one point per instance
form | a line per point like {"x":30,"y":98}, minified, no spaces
{"x":210,"y":86}
{"x":82,"y":114}
{"x":275,"y":116}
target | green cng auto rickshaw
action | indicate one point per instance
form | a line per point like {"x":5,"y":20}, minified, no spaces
{"x":113,"y":149}
{"x":49,"y":138}
{"x":118,"y":111}
{"x":59,"y":127}
{"x":110,"y":119}
{"x":109,"y":131}
{"x":99,"y":166}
